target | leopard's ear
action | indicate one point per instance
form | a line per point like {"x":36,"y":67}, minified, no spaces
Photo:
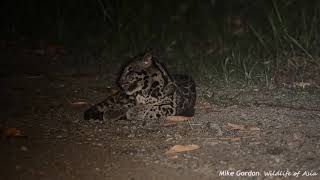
{"x":147,"y":60}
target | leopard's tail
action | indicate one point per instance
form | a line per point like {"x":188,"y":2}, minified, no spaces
{"x":112,"y":108}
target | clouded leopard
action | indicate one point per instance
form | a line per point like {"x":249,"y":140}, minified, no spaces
{"x":148,"y":92}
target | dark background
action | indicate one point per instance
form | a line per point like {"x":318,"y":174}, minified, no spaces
{"x":255,"y":63}
{"x":236,"y":37}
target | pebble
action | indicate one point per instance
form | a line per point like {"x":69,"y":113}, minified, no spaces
{"x":131,"y":135}
{"x":18,"y":167}
{"x":23,"y":148}
{"x":59,"y":136}
{"x":99,"y":144}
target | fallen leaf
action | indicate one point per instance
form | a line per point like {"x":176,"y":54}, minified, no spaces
{"x":79,"y":103}
{"x":13,"y":132}
{"x":182,"y":148}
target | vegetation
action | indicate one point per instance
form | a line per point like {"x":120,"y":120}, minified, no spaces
{"x":234,"y":41}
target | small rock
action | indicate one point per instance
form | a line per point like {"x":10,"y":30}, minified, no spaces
{"x":131,"y":135}
{"x":59,"y":136}
{"x":99,"y":144}
{"x":142,"y":150}
{"x":23,"y":148}
{"x":18,"y":167}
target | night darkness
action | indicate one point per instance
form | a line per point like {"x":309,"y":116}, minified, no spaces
{"x":250,"y":82}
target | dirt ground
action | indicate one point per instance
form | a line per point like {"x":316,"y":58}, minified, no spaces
{"x":237,"y":133}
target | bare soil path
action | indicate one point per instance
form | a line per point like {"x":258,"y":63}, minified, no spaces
{"x":247,"y":130}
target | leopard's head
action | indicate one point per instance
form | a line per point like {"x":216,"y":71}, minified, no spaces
{"x":141,"y":74}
